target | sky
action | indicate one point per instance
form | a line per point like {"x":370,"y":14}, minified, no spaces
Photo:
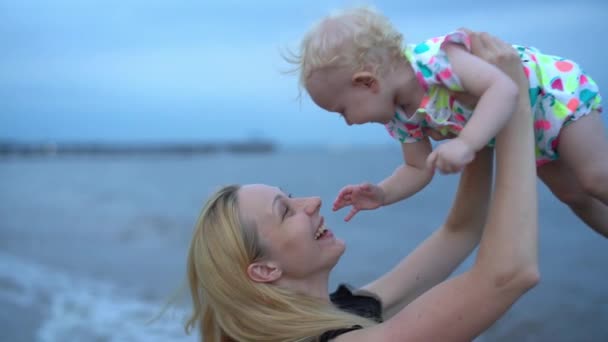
{"x":201,"y":70}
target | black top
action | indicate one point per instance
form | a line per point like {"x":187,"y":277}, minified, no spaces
{"x":361,"y":304}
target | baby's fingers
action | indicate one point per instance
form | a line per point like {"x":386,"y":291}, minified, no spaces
{"x":350,"y":215}
{"x":447,"y":167}
{"x":431,"y":160}
{"x":343,"y":196}
{"x":347,"y":190}
{"x":341,"y":203}
{"x":441,"y":164}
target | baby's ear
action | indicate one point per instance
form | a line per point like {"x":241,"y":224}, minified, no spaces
{"x":365,"y":79}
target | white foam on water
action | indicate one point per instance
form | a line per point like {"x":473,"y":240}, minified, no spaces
{"x":81,"y":309}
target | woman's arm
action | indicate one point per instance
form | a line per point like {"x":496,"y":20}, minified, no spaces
{"x":439,"y":255}
{"x":506,"y":267}
{"x":497,"y":95}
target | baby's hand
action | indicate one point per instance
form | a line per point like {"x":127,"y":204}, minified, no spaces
{"x":451,"y":157}
{"x":364,"y":196}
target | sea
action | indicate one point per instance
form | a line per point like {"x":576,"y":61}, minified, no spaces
{"x":92,"y":248}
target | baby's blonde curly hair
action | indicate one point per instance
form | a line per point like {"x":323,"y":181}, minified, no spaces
{"x":358,"y":37}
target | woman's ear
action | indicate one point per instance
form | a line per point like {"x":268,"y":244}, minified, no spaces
{"x":264,"y":271}
{"x":365,"y":79}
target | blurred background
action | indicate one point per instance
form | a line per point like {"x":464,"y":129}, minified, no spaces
{"x":118,"y":119}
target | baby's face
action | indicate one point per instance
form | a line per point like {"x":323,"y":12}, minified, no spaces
{"x":359,"y":97}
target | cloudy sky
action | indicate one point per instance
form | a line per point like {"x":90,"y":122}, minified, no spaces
{"x":181,"y":70}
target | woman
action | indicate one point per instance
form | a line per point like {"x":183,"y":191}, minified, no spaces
{"x":259,"y":261}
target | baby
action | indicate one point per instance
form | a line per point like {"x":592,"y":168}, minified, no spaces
{"x":355,"y":64}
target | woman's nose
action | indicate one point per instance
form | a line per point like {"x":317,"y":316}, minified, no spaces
{"x":313,"y":204}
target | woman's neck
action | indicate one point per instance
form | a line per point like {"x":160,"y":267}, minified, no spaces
{"x":315,"y":286}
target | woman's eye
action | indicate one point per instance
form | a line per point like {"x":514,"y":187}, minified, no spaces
{"x":287,"y":209}
{"x":285,"y":212}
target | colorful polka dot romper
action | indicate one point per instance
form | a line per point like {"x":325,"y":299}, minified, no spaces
{"x":560,"y":93}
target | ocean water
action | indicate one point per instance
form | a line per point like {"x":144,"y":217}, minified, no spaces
{"x":92,"y":248}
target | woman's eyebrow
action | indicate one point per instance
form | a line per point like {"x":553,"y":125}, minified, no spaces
{"x":286,"y":194}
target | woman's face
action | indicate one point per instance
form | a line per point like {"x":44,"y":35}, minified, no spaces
{"x":290,"y":231}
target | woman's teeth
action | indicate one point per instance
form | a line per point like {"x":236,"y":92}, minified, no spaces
{"x":320,"y":232}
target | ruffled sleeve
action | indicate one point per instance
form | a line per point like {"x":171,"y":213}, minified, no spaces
{"x":432,"y":64}
{"x":405,"y":132}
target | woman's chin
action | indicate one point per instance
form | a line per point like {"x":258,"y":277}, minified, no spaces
{"x":338,"y":247}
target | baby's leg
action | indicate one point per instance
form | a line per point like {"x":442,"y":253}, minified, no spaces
{"x":563,"y":184}
{"x":583,"y":147}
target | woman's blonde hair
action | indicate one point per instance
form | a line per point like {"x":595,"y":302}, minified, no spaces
{"x":358,"y":37}
{"x":227,"y":304}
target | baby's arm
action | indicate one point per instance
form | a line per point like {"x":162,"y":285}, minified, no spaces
{"x":407,"y":180}
{"x":496,"y":91}
{"x":410,"y":177}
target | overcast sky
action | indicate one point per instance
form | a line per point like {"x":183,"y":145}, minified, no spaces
{"x":178,"y":70}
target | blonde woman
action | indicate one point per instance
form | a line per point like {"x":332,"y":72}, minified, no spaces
{"x":259,"y":260}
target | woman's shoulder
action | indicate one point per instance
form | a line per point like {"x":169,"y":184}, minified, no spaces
{"x":359,"y":302}
{"x":431,"y":63}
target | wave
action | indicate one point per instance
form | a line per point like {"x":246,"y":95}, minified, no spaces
{"x":80,"y":309}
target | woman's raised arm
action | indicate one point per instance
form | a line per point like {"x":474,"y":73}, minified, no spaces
{"x":506,"y":267}
{"x":441,"y":253}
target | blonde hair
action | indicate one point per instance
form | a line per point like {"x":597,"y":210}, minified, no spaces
{"x":228,"y":304}
{"x":359,"y":37}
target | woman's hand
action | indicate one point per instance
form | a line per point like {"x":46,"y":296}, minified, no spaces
{"x":499,"y":53}
{"x":493,"y":51}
